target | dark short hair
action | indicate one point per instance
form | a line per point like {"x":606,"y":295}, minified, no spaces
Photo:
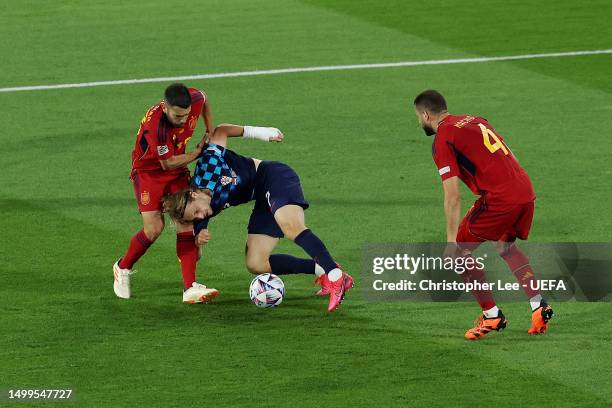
{"x":178,"y":95}
{"x":430,"y":101}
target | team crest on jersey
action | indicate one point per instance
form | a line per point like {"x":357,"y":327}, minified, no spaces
{"x":192,"y":122}
{"x":161,"y":150}
{"x":145,"y":198}
{"x":225,"y":180}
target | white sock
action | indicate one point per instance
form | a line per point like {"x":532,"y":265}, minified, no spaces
{"x":318,"y":270}
{"x":334,"y":274}
{"x":492,"y":312}
{"x":535,"y":302}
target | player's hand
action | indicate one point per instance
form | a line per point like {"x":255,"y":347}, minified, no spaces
{"x":278,"y":137}
{"x":203,"y":237}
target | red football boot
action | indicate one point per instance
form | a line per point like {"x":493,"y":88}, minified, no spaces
{"x":337,"y":291}
{"x":323,"y":282}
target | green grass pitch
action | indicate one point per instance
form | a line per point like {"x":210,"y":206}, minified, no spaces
{"x":68,"y":210}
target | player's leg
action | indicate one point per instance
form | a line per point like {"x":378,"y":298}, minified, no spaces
{"x":149,"y":192}
{"x":263,"y":237}
{"x":290,"y":219}
{"x":519,"y":265}
{"x":492,"y":317}
{"x":153,"y":225}
{"x":336,"y":282}
{"x":257,"y":252}
{"x":278,"y":190}
{"x":186,"y":249}
{"x":518,"y":262}
{"x":188,"y":252}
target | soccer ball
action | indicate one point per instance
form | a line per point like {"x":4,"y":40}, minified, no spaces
{"x":267,"y":290}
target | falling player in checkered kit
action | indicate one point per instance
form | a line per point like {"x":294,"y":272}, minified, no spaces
{"x":223,"y":179}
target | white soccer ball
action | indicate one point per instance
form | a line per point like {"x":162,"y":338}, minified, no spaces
{"x":267,"y":290}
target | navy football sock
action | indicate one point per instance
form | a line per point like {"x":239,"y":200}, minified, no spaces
{"x":282,"y":264}
{"x":316,"y":249}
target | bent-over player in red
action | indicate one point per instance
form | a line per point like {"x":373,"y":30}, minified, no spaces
{"x":159,"y":168}
{"x":467,"y":148}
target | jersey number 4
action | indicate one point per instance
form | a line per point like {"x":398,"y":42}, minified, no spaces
{"x":487,"y":135}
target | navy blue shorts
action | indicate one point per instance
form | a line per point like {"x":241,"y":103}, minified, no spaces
{"x":276,"y":185}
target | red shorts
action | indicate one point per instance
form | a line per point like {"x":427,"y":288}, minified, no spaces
{"x":151,"y":187}
{"x":499,"y":223}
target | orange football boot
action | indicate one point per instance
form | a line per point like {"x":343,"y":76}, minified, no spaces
{"x":485,"y":325}
{"x":540,"y":318}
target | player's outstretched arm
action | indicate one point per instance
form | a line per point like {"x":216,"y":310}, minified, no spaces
{"x":225,"y":131}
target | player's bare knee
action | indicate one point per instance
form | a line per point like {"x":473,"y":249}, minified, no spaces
{"x":257,"y":266}
{"x":153,"y":230}
{"x":291,"y":228}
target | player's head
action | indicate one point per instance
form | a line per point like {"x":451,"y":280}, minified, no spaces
{"x":429,"y":106}
{"x":177,"y":104}
{"x":187,"y":205}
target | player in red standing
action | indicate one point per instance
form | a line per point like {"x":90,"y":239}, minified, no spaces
{"x":467,"y":148}
{"x":159,"y":168}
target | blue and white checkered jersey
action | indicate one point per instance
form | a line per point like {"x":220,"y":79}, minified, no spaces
{"x":229,"y":176}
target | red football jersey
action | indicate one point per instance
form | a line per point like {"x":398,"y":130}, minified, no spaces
{"x":158,"y":139}
{"x":468,"y":147}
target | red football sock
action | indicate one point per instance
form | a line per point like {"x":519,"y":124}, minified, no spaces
{"x":483,"y":297}
{"x":187,"y":252}
{"x":518,"y":263}
{"x":138,"y":246}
